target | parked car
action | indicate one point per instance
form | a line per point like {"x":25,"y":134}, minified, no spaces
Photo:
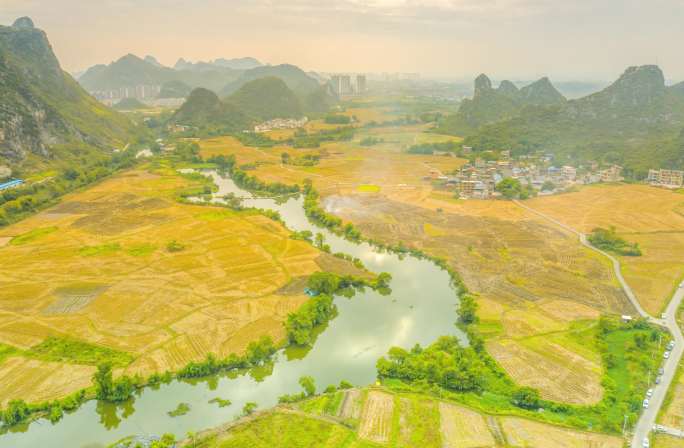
{"x":646,"y":443}
{"x":663,"y":316}
{"x":671,"y":345}
{"x":666,"y":355}
{"x":658,"y":379}
{"x":661,"y":371}
{"x":645,"y":403}
{"x":649,"y":393}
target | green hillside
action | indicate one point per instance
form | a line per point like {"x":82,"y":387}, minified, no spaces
{"x":637,"y":122}
{"x":295,"y":78}
{"x":204,"y":110}
{"x":46,"y":117}
{"x":267,"y":98}
{"x":130,"y":104}
{"x":490,"y":105}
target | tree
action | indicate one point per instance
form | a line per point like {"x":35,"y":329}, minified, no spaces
{"x":467,"y":309}
{"x":324,"y":282}
{"x":285,"y":158}
{"x":104,"y":383}
{"x":548,"y":186}
{"x":526,"y":398}
{"x":16,"y":412}
{"x":308,"y":385}
{"x":510,"y":188}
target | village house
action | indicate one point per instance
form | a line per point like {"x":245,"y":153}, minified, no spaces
{"x":666,"y":178}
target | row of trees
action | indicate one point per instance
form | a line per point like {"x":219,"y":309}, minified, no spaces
{"x":16,"y":203}
{"x":431,"y":148}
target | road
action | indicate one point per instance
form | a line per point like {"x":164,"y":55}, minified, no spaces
{"x":648,"y":417}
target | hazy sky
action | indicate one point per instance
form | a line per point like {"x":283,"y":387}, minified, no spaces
{"x":565,"y":39}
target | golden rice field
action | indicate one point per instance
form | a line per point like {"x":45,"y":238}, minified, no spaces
{"x":672,"y":413}
{"x":97,"y":268}
{"x":396,"y":421}
{"x":532,"y":278}
{"x":652,"y":217}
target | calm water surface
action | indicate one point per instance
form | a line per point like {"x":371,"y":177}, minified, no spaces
{"x":421,"y":307}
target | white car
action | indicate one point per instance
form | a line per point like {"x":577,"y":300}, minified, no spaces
{"x":645,"y":443}
{"x":649,"y":393}
{"x":671,"y":345}
{"x":666,"y":355}
{"x":646,"y":404}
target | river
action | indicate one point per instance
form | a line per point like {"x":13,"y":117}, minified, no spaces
{"x":421,"y":307}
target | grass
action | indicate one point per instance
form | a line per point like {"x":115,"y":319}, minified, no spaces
{"x":32,"y":235}
{"x":101,"y":250}
{"x":77,"y":352}
{"x":141,"y":250}
{"x":6,"y":351}
{"x":285,"y":430}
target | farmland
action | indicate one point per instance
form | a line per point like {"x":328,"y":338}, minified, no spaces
{"x":532,"y":279}
{"x":394,"y":420}
{"x":124,"y":272}
{"x":651,"y":217}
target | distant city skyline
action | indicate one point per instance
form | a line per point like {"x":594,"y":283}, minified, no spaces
{"x":454,"y":39}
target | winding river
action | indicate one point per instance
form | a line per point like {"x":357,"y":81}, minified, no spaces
{"x":421,"y":307}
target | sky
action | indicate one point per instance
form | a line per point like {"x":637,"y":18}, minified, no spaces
{"x":455,"y":39}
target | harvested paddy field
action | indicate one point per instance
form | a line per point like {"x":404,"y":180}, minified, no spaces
{"x":672,"y":413}
{"x":531,"y":277}
{"x":395,"y":421}
{"x":526,"y":433}
{"x":376,"y":417}
{"x":665,"y":441}
{"x":650,"y":216}
{"x":130,"y":272}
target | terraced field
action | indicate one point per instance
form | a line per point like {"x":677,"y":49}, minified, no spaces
{"x":101,"y":268}
{"x":395,"y":420}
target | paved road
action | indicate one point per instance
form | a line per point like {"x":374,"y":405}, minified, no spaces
{"x":648,"y":417}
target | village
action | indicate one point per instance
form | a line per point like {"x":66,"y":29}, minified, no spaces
{"x":478,"y":179}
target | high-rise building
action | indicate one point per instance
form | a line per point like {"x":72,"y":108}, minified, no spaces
{"x":361,"y":87}
{"x":341,"y":85}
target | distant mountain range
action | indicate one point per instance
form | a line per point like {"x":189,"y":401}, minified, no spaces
{"x":223,"y":76}
{"x":637,"y":121}
{"x":234,"y":64}
{"x":44,"y":113}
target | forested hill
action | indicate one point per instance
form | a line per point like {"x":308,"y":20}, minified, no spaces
{"x":267,"y":98}
{"x":490,"y":105}
{"x":204,"y":110}
{"x":256,"y":101}
{"x":44,"y":113}
{"x":637,"y":122}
